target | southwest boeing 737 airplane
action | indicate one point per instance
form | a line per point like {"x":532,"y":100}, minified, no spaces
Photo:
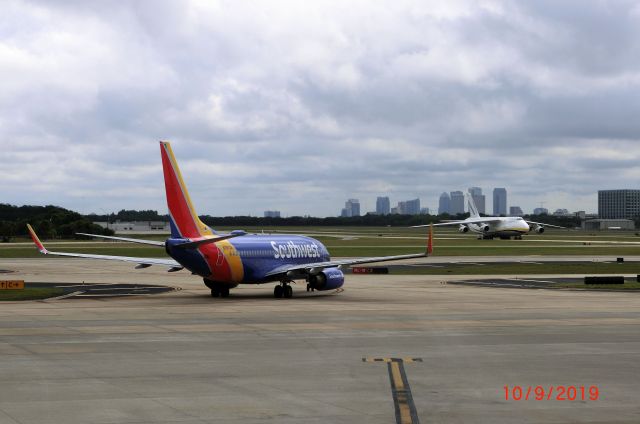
{"x":488,"y":227}
{"x":226,"y":260}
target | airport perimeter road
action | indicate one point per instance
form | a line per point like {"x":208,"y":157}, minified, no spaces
{"x":184,"y":357}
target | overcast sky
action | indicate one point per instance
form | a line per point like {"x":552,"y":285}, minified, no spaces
{"x":297,"y":105}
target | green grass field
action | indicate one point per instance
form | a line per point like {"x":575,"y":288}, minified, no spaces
{"x":628,"y":285}
{"x":377,"y":241}
{"x":584,"y":268}
{"x":380,"y":241}
{"x":33,"y":293}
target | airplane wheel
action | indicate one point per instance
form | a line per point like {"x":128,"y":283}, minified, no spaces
{"x":277,"y":292}
{"x":288,"y":291}
{"x":308,"y":287}
{"x":215,"y":293}
{"x":224,"y":292}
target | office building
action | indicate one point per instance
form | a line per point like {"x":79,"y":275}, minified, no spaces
{"x":383,"y":206}
{"x":499,"y":201}
{"x":272,"y":214}
{"x":409,"y":207}
{"x":136,"y":226}
{"x":478,"y":198}
{"x":515,"y":211}
{"x":617,"y":204}
{"x":457,"y":202}
{"x":541,"y":211}
{"x":444,"y":204}
{"x":351,"y":208}
{"x":608,"y":224}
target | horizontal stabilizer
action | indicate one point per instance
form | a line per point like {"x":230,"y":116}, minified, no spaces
{"x":127,"y":239}
{"x":198,"y":243}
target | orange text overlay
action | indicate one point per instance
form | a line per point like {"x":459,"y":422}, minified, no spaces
{"x":557,"y":393}
{"x":11,"y":284}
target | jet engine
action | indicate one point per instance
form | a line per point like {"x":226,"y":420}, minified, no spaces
{"x":327,"y":279}
{"x":485,"y":228}
{"x":463,"y":229}
{"x":539,"y":229}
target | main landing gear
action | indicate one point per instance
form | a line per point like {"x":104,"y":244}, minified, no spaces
{"x":217,"y":289}
{"x":220,"y":291}
{"x":283,"y":290}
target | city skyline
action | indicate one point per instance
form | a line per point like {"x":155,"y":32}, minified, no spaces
{"x":500,"y":196}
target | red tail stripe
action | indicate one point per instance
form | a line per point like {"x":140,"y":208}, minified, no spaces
{"x":176,"y":201}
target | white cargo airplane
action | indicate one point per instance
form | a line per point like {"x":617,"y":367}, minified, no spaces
{"x":489,"y":227}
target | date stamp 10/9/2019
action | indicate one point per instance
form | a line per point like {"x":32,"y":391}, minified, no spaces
{"x":557,"y":393}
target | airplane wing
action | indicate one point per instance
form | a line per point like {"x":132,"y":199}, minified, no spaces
{"x":481,"y":220}
{"x":143,"y":262}
{"x":316,"y":267}
{"x":544,"y":225}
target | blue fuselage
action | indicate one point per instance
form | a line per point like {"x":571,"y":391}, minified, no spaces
{"x":249,"y":258}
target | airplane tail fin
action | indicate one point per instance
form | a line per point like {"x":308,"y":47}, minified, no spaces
{"x":183,"y":217}
{"x":430,"y":240}
{"x":473,"y":210}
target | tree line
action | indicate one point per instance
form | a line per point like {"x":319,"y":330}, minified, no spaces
{"x":394,"y":220}
{"x":301,"y":221}
{"x":56,"y":222}
{"x":48,"y":221}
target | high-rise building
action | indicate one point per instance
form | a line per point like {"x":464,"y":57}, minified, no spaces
{"x":351,"y":208}
{"x":444,"y":204}
{"x":409,"y":207}
{"x":383,"y":206}
{"x":618,"y":204}
{"x":541,"y":211}
{"x":272,"y":214}
{"x":478,"y":198}
{"x":499,"y":201}
{"x":515,"y":211}
{"x":457,"y":202}
{"x":412,"y":207}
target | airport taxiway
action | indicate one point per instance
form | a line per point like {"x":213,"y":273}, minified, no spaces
{"x":184,"y":357}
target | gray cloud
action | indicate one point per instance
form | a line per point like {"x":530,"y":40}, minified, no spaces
{"x":297,"y":106}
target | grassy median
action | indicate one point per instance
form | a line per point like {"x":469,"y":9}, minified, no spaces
{"x":30,"y":293}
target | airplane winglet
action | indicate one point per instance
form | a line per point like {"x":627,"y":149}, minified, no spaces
{"x":36,"y":240}
{"x":430,"y":240}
